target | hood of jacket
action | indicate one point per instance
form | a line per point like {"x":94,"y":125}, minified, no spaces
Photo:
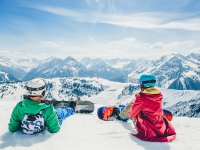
{"x":151,"y":90}
{"x":30,"y":106}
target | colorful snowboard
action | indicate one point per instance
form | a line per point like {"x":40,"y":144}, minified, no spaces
{"x":109,"y":113}
{"x":79,"y":106}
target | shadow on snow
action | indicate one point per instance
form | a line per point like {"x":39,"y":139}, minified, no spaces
{"x":22,"y":140}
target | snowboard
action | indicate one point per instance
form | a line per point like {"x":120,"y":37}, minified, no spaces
{"x":111,"y":113}
{"x":168,"y":115}
{"x":79,"y":105}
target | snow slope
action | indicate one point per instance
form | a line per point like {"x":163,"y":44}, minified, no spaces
{"x":6,"y":77}
{"x":87,"y":132}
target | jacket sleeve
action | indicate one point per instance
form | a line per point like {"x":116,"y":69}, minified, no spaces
{"x":136,"y":106}
{"x":52,"y":121}
{"x":15,"y":123}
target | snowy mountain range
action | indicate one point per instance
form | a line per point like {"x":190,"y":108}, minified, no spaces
{"x":28,"y":64}
{"x":11,"y":68}
{"x":5,"y":77}
{"x":57,"y":67}
{"x":194,"y":57}
{"x":100,"y":68}
{"x":174,"y":71}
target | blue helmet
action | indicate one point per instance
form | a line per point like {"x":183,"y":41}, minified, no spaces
{"x":147,"y":80}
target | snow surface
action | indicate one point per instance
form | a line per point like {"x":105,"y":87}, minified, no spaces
{"x":87,"y":132}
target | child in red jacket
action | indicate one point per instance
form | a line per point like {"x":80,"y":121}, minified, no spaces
{"x":146,"y":112}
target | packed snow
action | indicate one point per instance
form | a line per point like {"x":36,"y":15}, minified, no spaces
{"x":86,"y":131}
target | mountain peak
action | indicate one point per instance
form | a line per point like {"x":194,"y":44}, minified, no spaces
{"x":194,"y":54}
{"x":69,"y":58}
{"x":51,"y":59}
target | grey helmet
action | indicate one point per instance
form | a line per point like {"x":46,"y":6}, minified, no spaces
{"x":36,"y":87}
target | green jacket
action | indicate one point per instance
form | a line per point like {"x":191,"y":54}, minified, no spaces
{"x":32,"y":107}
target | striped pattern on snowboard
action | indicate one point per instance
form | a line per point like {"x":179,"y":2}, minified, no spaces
{"x":84,"y":107}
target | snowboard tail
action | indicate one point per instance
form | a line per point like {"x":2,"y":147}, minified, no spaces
{"x":84,"y":107}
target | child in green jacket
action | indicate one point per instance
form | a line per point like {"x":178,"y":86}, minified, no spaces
{"x":31,"y":116}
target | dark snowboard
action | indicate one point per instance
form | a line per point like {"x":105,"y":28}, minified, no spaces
{"x":84,"y":107}
{"x":79,"y":106}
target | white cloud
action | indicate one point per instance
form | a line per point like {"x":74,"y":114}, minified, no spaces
{"x":124,"y":48}
{"x":129,"y":48}
{"x":145,"y":20}
{"x":21,"y":54}
{"x":190,"y":24}
{"x":9,"y":53}
{"x":50,"y":44}
{"x":132,"y":48}
{"x":59,"y":11}
{"x":91,"y":2}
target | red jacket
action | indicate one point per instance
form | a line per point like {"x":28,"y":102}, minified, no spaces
{"x":150,"y":121}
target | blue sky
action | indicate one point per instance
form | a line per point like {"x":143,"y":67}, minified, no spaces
{"x":99,"y":28}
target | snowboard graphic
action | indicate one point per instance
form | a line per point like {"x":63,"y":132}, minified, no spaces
{"x":111,"y":113}
{"x":168,"y":114}
{"x":79,"y":105}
